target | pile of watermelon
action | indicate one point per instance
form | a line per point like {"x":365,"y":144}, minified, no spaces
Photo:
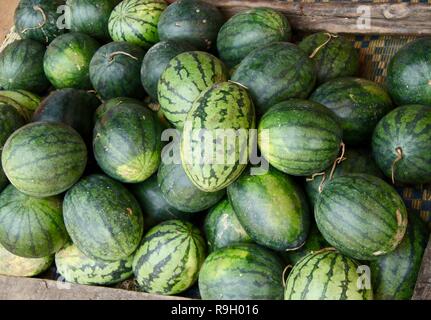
{"x":100,"y":160}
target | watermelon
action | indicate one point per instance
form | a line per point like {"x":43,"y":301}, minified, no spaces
{"x":21,"y":67}
{"x":241,"y":272}
{"x":192,"y":21}
{"x":31,"y":227}
{"x":184,"y":79}
{"x":156,"y":60}
{"x":43,"y":159}
{"x":127,"y":143}
{"x":111,"y":104}
{"x":38,"y":20}
{"x":409,"y":73}
{"x":75,"y":267}
{"x":170,"y":257}
{"x":335,"y":56}
{"x":402,"y":143}
{"x":272,"y":209}
{"x":181,"y":193}
{"x":15,"y":266}
{"x":135,"y":21}
{"x":91,"y":17}
{"x":358,"y":103}
{"x":103,"y":218}
{"x":361,"y":215}
{"x":224,"y":113}
{"x":115,"y":70}
{"x":21,"y":99}
{"x":222,"y":227}
{"x":276,"y":72}
{"x":394,"y":275}
{"x":299,"y":137}
{"x":326,"y":275}
{"x":249,"y":30}
{"x":67,"y":60}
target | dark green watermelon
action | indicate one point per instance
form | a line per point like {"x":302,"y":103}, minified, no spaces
{"x":170,"y":257}
{"x":43,"y":159}
{"x":193,"y":21}
{"x":276,"y":72}
{"x":111,"y":104}
{"x":402,"y":143}
{"x":21,"y":67}
{"x":300,"y":137}
{"x":67,"y":60}
{"x":409,"y":73}
{"x":103,"y":218}
{"x":335,"y":56}
{"x":361,"y":215}
{"x":31,"y":227}
{"x":135,"y":21}
{"x":241,"y":272}
{"x":115,"y":70}
{"x":156,"y":60}
{"x":358,"y":103}
{"x":39,"y":19}
{"x":249,"y":30}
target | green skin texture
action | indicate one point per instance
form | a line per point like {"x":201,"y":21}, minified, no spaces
{"x":249,"y":30}
{"x":25,"y":99}
{"x":325,"y":275}
{"x":361,"y":215}
{"x":111,"y":104}
{"x":21,"y":67}
{"x":103,"y":218}
{"x":394,"y":275}
{"x":272,"y":209}
{"x":191,"y":21}
{"x":224,"y":106}
{"x":91,"y":17}
{"x":30,"y":23}
{"x":222,"y":227}
{"x":276,"y":72}
{"x":358,"y":103}
{"x":31,"y":227}
{"x":170,"y":257}
{"x":409,"y":73}
{"x":135,"y":21}
{"x":67,"y":61}
{"x":338,"y":58}
{"x":409,"y":128}
{"x":357,"y":161}
{"x":241,"y":272}
{"x":75,"y":267}
{"x":119,"y":75}
{"x":15,"y":266}
{"x":156,"y":60}
{"x":304,"y":137}
{"x":127,"y":143}
{"x":181,"y":193}
{"x":184,"y":79}
{"x":44,"y":159}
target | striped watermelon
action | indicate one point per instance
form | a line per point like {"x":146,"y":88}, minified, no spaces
{"x":276,"y":72}
{"x":43,"y":159}
{"x":326,"y":275}
{"x":224,"y":109}
{"x":361,"y":215}
{"x":402,"y":143}
{"x":21,"y":99}
{"x":299,"y":137}
{"x":135,"y":21}
{"x":75,"y":267}
{"x":31,"y":227}
{"x":249,"y":30}
{"x":103,"y":218}
{"x":241,"y":272}
{"x":169,"y":258}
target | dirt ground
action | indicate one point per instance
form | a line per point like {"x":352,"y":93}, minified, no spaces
{"x":7,"y":8}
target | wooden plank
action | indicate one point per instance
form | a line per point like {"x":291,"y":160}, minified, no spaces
{"x":423,"y":284}
{"x":384,"y":18}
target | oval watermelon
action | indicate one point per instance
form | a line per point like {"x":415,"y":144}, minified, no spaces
{"x":170,"y":257}
{"x":21,"y":99}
